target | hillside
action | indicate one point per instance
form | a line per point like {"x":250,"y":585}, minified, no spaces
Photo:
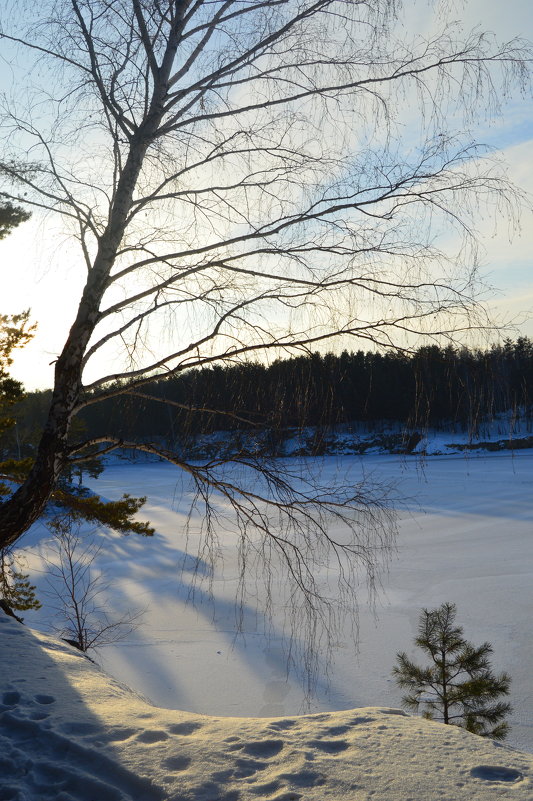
{"x":69,"y":732}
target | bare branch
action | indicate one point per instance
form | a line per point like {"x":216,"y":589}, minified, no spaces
{"x":246,"y":179}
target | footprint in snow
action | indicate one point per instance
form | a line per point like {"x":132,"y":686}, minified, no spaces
{"x":336,"y":731}
{"x":303,"y":778}
{"x":119,"y":735}
{"x":281,"y":725}
{"x":263,"y":748}
{"x":79,"y":728}
{"x":363,"y":719}
{"x":11,"y":698}
{"x":152,"y":736}
{"x":210,"y":791}
{"x":265,"y":789}
{"x":496,"y":773}
{"x":244,"y":768}
{"x":44,"y":699}
{"x":177,"y":763}
{"x":188,"y":727}
{"x":329,"y":746}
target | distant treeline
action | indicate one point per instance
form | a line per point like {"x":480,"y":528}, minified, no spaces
{"x":432,"y":387}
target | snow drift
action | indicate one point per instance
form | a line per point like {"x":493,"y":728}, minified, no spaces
{"x":69,"y":732}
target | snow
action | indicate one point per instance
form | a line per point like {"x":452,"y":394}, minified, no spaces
{"x":504,"y":431}
{"x":69,"y":732}
{"x":464,"y":536}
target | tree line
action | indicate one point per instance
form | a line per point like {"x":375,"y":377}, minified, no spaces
{"x":432,"y":387}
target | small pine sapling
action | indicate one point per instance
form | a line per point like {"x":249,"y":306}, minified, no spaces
{"x":458,"y":687}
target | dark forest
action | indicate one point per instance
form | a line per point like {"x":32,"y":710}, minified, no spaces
{"x":432,"y":387}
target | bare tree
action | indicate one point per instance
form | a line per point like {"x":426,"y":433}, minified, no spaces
{"x":249,"y":177}
{"x":78,"y":587}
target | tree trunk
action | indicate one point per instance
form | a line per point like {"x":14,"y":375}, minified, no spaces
{"x":26,"y":504}
{"x":445,"y":705}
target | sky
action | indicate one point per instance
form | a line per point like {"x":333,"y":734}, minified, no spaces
{"x":39,"y":264}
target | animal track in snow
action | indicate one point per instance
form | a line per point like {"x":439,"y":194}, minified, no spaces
{"x":209,"y":791}
{"x":84,"y":773}
{"x":362,"y":719}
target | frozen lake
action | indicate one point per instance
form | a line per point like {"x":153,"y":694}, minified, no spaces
{"x":465,"y":535}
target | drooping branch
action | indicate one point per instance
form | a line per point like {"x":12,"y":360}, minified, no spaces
{"x":246,"y":179}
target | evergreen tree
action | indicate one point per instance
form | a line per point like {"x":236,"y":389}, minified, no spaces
{"x":15,"y":588}
{"x":10,"y":217}
{"x":458,"y":687}
{"x":15,"y":332}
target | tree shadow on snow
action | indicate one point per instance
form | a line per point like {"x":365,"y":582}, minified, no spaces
{"x":52,"y":744}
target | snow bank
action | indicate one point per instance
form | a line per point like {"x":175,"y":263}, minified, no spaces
{"x":69,"y":732}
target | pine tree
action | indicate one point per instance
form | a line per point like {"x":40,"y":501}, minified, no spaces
{"x":15,"y":588}
{"x":10,"y":217}
{"x":459,"y":686}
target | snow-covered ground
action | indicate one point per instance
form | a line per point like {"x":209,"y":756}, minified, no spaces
{"x":464,"y":536}
{"x":511,"y":430}
{"x":70,"y":733}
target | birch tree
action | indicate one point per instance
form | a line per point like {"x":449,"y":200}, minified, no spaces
{"x":248,"y":178}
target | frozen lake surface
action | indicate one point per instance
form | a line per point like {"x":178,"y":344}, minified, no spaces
{"x":465,"y":535}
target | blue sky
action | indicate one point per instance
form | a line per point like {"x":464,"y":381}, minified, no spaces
{"x":38,"y":262}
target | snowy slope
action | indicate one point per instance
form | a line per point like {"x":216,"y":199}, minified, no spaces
{"x":68,"y":732}
{"x":464,"y":536}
